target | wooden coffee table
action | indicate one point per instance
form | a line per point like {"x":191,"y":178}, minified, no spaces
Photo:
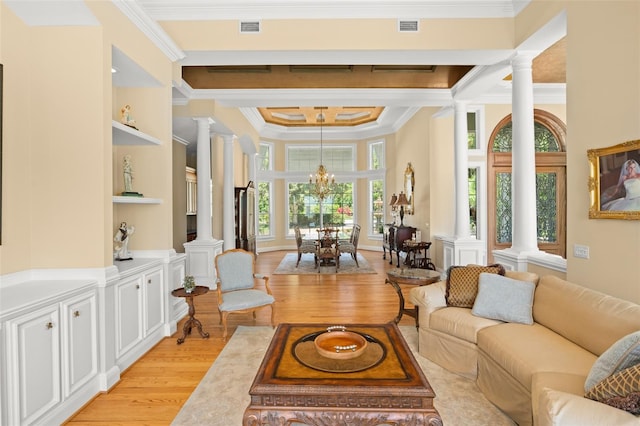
{"x":297,"y":386}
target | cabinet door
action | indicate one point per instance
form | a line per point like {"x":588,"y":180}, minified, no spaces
{"x":154,"y":301}
{"x":128,"y":314}
{"x":79,"y":342}
{"x":34,"y":365}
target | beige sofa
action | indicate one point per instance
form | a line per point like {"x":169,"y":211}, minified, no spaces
{"x":534,"y":373}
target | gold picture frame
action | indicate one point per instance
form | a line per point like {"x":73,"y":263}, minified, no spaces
{"x":409,"y":183}
{"x":611,"y":196}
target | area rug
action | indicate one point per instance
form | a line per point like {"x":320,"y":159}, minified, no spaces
{"x":223,"y":394}
{"x":308,"y":265}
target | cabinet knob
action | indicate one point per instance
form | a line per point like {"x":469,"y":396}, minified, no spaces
{"x":76,"y":314}
{"x":137,"y":286}
{"x":49,"y":325}
{"x":149,"y":281}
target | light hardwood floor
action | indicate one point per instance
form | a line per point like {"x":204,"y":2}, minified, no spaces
{"x":152,"y":391}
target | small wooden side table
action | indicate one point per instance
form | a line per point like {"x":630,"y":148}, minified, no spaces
{"x":191,"y":321}
{"x":409,"y":276}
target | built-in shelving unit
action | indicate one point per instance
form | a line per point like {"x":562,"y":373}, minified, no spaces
{"x":125,"y":135}
{"x":135,"y":200}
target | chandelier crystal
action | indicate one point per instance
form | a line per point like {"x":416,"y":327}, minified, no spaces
{"x":323,"y":184}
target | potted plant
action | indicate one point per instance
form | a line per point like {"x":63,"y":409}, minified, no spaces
{"x":189,"y":283}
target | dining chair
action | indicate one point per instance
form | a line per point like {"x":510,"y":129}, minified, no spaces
{"x":305,"y":246}
{"x":351,"y":245}
{"x":236,"y":285}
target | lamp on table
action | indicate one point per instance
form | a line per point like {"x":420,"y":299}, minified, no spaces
{"x":402,"y":201}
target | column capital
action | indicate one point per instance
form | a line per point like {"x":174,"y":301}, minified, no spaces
{"x":201,"y":120}
{"x":523,"y":60}
{"x":227,"y":137}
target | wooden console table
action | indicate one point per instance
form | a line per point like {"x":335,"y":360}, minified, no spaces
{"x":191,"y":321}
{"x":392,"y":391}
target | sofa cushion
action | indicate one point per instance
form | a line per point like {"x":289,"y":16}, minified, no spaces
{"x":459,"y":322}
{"x":591,"y":319}
{"x":522,"y":350}
{"x":620,"y":390}
{"x":562,"y":408}
{"x":622,"y":354}
{"x":462,"y":283}
{"x":504,"y":299}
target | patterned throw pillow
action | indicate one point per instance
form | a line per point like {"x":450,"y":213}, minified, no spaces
{"x":620,"y":390}
{"x":622,"y":354}
{"x":462,"y":283}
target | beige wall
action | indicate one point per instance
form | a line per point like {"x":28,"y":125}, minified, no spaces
{"x":343,"y":34}
{"x":614,"y":244}
{"x":57,"y":211}
{"x":179,"y":197}
{"x":412,"y":146}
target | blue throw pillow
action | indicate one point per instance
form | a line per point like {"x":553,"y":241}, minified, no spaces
{"x":504,"y":299}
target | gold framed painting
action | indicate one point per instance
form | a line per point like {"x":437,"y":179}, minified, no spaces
{"x":614,"y":181}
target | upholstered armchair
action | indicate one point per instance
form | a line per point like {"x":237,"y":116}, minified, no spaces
{"x":351,"y":246}
{"x":304,"y":246}
{"x":237,"y":290}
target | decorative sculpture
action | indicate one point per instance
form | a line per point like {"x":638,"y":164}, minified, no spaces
{"x":122,"y":241}
{"x":127,"y":170}
{"x":125,"y":117}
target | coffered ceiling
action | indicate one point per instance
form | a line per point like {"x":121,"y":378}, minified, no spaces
{"x":365,"y":92}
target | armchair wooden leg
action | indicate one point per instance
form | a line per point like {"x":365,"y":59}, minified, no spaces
{"x":273,"y":316}
{"x":224,"y":325}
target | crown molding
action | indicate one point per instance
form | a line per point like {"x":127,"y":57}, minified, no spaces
{"x":330,"y":9}
{"x":155,"y":33}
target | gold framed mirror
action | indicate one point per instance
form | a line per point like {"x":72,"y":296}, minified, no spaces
{"x":409,"y":182}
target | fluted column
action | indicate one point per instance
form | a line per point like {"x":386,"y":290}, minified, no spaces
{"x":203,"y":147}
{"x":524,"y":232}
{"x":461,"y":171}
{"x":228,"y":217}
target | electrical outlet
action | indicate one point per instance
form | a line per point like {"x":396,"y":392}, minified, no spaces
{"x":581,"y":251}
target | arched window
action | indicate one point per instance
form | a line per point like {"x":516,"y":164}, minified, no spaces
{"x":551,"y":196}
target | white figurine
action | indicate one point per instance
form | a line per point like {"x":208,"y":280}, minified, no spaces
{"x":122,"y":241}
{"x":128,"y":174}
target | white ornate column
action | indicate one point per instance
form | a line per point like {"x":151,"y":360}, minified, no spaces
{"x":228,"y":217}
{"x":524,"y":239}
{"x":461,"y":249}
{"x":203,"y":170}
{"x":201,"y":252}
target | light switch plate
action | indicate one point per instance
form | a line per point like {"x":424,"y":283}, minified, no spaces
{"x":581,"y":251}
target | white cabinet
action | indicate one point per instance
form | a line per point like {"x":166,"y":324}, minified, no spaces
{"x":50,"y":361}
{"x":79,"y":341}
{"x":154,"y":298}
{"x":140,"y":300}
{"x":128,"y":314}
{"x":33,"y":365}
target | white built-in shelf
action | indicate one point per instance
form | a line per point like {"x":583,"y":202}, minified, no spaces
{"x":125,"y":135}
{"x":135,"y":200}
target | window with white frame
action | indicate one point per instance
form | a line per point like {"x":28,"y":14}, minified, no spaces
{"x":306,"y":210}
{"x":265,"y":189}
{"x":376,"y":187}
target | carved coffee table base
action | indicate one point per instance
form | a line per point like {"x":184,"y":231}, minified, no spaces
{"x":338,"y":418}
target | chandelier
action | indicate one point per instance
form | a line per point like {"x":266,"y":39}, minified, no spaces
{"x":323,"y":184}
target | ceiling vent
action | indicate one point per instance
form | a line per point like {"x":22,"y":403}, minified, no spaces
{"x":408,"y":26}
{"x":251,"y":27}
